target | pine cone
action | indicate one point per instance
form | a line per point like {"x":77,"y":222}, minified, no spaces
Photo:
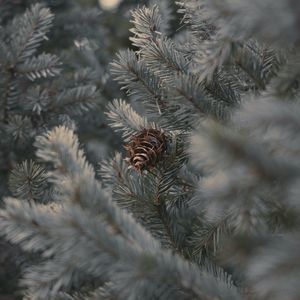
{"x":146,"y":149}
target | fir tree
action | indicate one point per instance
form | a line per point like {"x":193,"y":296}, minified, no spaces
{"x":206,"y":204}
{"x":40,"y":90}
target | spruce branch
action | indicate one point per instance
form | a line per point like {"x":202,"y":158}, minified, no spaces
{"x":31,"y":29}
{"x":138,"y":80}
{"x":105,"y":250}
{"x":10,"y":96}
{"x":254,"y":173}
{"x":147,"y":197}
{"x":137,"y":195}
{"x":245,"y":20}
{"x":25,"y":223}
{"x":51,"y":147}
{"x":166,"y":11}
{"x":75,"y":101}
{"x":278,"y":268}
{"x":28,"y":181}
{"x":76,"y":181}
{"x":255,"y":155}
{"x":196,"y":18}
{"x":157,"y":51}
{"x":37,"y":100}
{"x":285,"y":84}
{"x":147,"y":25}
{"x":42,"y":66}
{"x":189,"y":91}
{"x":269,"y":116}
{"x":124,"y":118}
{"x":206,"y":237}
{"x":164,"y":60}
{"x":48,"y":279}
{"x":224,"y":88}
{"x":19,"y":129}
{"x":112,"y":170}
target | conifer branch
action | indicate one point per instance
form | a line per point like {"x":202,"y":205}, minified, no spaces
{"x":43,"y":66}
{"x":31,"y":30}
{"x":124,"y":118}
{"x":28,"y":181}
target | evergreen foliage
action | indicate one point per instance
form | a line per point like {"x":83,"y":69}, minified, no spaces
{"x":51,"y":72}
{"x":218,"y":217}
{"x":33,"y":95}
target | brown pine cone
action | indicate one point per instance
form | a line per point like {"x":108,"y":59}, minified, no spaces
{"x":146,"y":149}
